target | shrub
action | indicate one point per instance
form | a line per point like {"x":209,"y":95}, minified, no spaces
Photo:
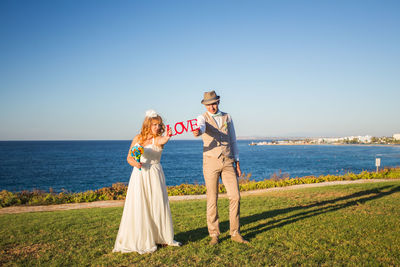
{"x":8,"y":199}
{"x":118,"y":190}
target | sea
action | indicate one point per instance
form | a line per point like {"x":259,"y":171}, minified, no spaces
{"x":76,"y":166}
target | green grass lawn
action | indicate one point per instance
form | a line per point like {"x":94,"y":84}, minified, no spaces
{"x":355,"y":224}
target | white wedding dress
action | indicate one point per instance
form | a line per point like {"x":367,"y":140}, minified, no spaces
{"x":146,"y":219}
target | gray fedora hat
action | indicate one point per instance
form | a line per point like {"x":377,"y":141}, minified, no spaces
{"x":210,"y":98}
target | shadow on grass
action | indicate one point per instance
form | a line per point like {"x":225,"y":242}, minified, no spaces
{"x":304,"y":212}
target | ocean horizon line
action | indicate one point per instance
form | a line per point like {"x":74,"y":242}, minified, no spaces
{"x":181,"y":139}
{"x":250,"y":138}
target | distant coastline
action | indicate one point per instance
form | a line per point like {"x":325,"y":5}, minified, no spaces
{"x":349,"y":140}
{"x":313,"y":144}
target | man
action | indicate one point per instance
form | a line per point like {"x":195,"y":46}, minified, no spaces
{"x":220,"y":159}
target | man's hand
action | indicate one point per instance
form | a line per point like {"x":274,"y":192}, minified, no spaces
{"x":238,"y":170}
{"x":196,"y":133}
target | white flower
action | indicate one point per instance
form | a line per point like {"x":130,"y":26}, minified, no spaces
{"x":151,"y":113}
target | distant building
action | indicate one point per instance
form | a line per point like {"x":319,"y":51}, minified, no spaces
{"x":362,"y":139}
{"x":396,"y":136}
{"x":365,"y":139}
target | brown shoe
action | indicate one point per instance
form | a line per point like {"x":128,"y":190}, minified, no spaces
{"x":214,"y":240}
{"x":238,"y":238}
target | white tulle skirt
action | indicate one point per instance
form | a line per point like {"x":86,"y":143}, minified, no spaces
{"x":146,"y":219}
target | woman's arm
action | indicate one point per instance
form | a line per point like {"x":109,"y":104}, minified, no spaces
{"x":162,"y":140}
{"x":129,"y":158}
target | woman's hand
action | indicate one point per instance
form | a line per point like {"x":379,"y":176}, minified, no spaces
{"x":137,"y":164}
{"x":169,"y":132}
{"x":162,"y":140}
{"x":134,"y":163}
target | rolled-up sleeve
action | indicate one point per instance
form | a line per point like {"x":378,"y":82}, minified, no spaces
{"x":201,"y":123}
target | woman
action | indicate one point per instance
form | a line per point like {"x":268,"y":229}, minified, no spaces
{"x":146,"y":220}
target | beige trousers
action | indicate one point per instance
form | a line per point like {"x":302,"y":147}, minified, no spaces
{"x":223,"y":167}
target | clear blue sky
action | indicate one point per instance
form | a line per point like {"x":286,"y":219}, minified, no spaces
{"x":74,"y":69}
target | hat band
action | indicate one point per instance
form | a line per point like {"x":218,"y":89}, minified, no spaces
{"x":211,"y":99}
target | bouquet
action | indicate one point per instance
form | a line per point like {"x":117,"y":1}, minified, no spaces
{"x":136,"y":153}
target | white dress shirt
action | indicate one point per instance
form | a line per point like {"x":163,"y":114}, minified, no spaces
{"x":201,"y":123}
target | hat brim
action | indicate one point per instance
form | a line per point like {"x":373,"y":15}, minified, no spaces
{"x":210,"y":101}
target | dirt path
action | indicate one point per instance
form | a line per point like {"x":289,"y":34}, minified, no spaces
{"x":119,"y":203}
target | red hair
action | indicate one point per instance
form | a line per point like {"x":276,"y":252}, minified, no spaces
{"x":146,"y":128}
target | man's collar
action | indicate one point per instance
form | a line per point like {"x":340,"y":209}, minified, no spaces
{"x":219,"y":113}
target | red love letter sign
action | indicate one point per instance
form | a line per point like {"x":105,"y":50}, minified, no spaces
{"x":172,"y":134}
{"x":193,"y":125}
{"x":180,"y":127}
